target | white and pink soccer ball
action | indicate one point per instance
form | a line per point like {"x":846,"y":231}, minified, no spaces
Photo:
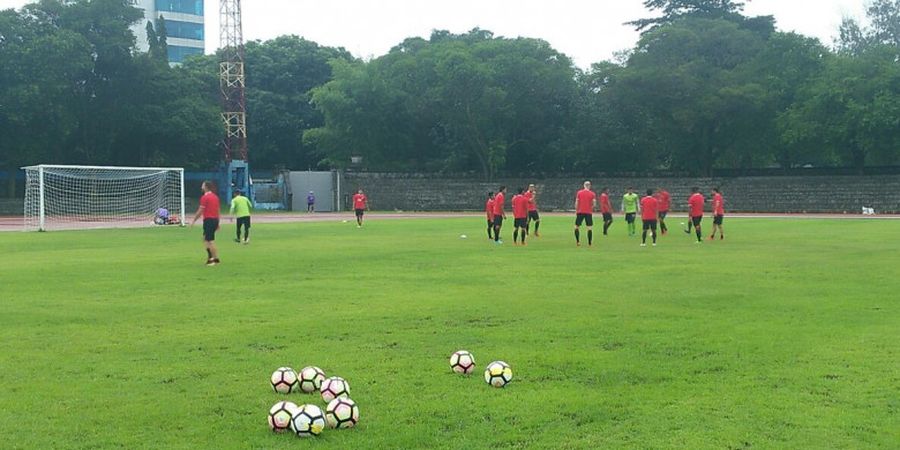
{"x":341,"y":413}
{"x":280,"y":416}
{"x":334,"y":387}
{"x":462,"y":362}
{"x":284,"y":380}
{"x":311,"y":379}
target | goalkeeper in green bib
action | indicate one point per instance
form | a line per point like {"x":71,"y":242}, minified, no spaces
{"x":240,"y":209}
{"x":631,"y":207}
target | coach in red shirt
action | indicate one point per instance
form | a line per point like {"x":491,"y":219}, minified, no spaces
{"x":499,"y":214}
{"x":695,"y":204}
{"x":520,"y":215}
{"x":585,"y":200}
{"x":209,"y":210}
{"x":649,"y":215}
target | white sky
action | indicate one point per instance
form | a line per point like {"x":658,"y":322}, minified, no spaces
{"x":586,"y":30}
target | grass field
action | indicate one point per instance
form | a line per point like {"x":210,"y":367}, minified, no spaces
{"x":786,"y":335}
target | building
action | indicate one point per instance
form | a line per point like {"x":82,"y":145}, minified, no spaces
{"x":184,"y":25}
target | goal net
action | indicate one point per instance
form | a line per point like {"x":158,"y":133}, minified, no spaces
{"x":77,"y":197}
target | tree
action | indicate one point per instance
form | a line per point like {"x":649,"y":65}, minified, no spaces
{"x":674,"y":10}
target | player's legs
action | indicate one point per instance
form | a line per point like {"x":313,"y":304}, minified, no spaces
{"x":535,"y":217}
{"x":589,"y":221}
{"x":662,"y":222}
{"x":690,"y":223}
{"x":653,"y":230}
{"x":209,"y":241}
{"x":247,"y":229}
{"x":579,"y":219}
{"x":359,"y":217}
{"x":237,"y":230}
{"x":607,"y":222}
{"x":629,"y":218}
{"x":498,"y":224}
{"x":645,"y":226}
{"x":490,"y":229}
{"x":696,"y":221}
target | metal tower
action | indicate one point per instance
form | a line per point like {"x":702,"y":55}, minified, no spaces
{"x":234,"y":103}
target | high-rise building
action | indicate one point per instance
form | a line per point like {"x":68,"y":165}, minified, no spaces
{"x":184,"y":26}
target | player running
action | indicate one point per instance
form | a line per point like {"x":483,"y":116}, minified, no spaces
{"x":718,"y":208}
{"x":631,"y":208}
{"x":695,"y":213}
{"x":665,"y":202}
{"x":240,"y":209}
{"x":649,"y":216}
{"x":533,"y":215}
{"x":520,"y":216}
{"x":606,"y":210}
{"x":499,"y":214}
{"x":584,"y":213}
{"x":209,"y":210}
{"x":489,"y":212}
{"x":360,"y":205}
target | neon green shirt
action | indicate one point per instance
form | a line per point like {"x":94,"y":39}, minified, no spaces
{"x":240,"y":206}
{"x":630,"y":203}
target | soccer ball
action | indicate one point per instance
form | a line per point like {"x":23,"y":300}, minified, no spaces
{"x":341,"y":413}
{"x":462,"y":362}
{"x":334,"y":387}
{"x":462,"y":236}
{"x":284,"y":380}
{"x":307,"y":421}
{"x":498,"y":374}
{"x":280,"y":416}
{"x":311,"y":379}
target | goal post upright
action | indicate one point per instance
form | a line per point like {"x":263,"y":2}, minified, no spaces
{"x":41,"y":190}
{"x":183,"y":212}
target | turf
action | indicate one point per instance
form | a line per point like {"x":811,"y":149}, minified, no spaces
{"x":786,"y":335}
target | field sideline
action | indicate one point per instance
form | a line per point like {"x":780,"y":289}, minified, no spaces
{"x":786,"y":335}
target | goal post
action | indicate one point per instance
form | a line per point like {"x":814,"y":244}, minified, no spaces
{"x":61,"y":197}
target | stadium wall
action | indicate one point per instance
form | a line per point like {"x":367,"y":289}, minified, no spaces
{"x":775,"y":194}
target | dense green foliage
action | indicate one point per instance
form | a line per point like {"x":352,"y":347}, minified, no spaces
{"x":771,"y":339}
{"x":705,"y":87}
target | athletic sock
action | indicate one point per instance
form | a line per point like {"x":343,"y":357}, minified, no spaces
{"x":699,"y":234}
{"x":523,"y":236}
{"x":208,"y":254}
{"x":515,"y":235}
{"x":644,"y":237}
{"x":605,"y":227}
{"x":536,"y":226}
{"x":590,"y":237}
{"x":577,"y":236}
{"x":496,"y":234}
{"x":654,"y":238}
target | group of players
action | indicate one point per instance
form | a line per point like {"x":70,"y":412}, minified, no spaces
{"x":653,"y":209}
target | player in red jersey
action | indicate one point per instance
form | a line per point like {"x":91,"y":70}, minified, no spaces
{"x":533,"y":215}
{"x":718,"y":208}
{"x":209,"y":210}
{"x":665,"y":202}
{"x":606,"y":210}
{"x":489,"y":212}
{"x":520,"y":215}
{"x":499,"y":214}
{"x":695,"y":213}
{"x":360,"y":205}
{"x":649,"y":216}
{"x":585,"y":200}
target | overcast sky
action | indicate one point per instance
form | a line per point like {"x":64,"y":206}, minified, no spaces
{"x":586,"y":30}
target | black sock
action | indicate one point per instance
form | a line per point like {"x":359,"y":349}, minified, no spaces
{"x":238,"y":236}
{"x":654,"y":236}
{"x":605,"y":227}
{"x":515,"y":235}
{"x":590,"y":237}
{"x":246,"y":233}
{"x":208,"y":254}
{"x":523,"y":236}
{"x":644,"y":237}
{"x":577,"y":236}
{"x":699,"y":234}
{"x":496,"y":234}
{"x":536,"y":226}
{"x":662,"y":226}
{"x":490,"y":232}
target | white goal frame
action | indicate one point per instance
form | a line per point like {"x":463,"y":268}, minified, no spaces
{"x":109,"y":196}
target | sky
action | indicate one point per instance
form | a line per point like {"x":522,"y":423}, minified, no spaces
{"x":587,"y":30}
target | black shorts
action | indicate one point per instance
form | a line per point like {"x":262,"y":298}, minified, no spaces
{"x":696,"y":220}
{"x":360,"y":212}
{"x":498,"y":221}
{"x":587,"y":219}
{"x":243,"y":222}
{"x":607,"y":217}
{"x":650,"y":225}
{"x":520,"y":222}
{"x":629,"y":217}
{"x":717,"y":220}
{"x":533,"y":215}
{"x":210,"y":226}
{"x":663,"y":214}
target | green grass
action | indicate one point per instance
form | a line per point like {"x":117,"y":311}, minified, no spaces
{"x":787,"y":335}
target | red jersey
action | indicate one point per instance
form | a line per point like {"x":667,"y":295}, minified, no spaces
{"x":696,"y":204}
{"x":605,"y":206}
{"x":359,"y":201}
{"x":649,"y":208}
{"x":664,"y":199}
{"x":489,"y":209}
{"x":520,"y":206}
{"x":211,"y":206}
{"x":499,"y":199}
{"x":585,"y":199}
{"x":532,"y":203}
{"x":718,"y":205}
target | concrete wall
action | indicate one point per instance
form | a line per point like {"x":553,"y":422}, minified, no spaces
{"x":782,"y":194}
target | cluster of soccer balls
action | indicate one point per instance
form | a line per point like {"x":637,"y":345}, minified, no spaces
{"x":497,"y":374}
{"x":308,"y":420}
